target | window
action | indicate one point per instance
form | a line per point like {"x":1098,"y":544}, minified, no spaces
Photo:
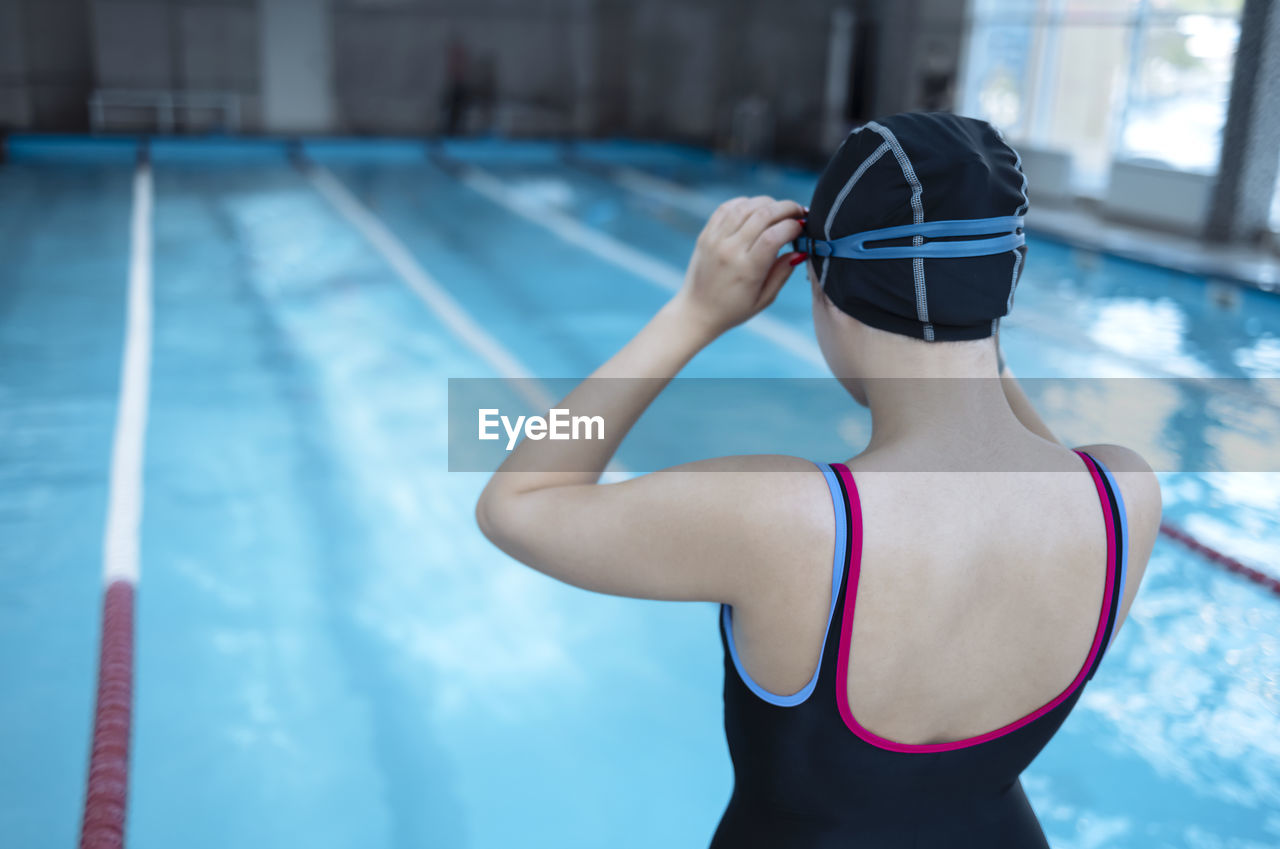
{"x":1105,"y":79}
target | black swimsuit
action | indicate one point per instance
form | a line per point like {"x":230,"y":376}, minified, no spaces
{"x":809,"y":776}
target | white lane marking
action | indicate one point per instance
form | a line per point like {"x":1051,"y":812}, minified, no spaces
{"x":624,"y":256}
{"x":438,"y":300}
{"x":664,"y":191}
{"x":124,"y":500}
{"x":427,"y":288}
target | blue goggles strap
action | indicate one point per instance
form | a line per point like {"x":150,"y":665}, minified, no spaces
{"x":1009,"y":228}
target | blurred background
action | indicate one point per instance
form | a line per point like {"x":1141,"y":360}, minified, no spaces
{"x":247,"y":243}
{"x":1107,"y":99}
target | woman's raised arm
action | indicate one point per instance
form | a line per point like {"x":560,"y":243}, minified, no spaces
{"x":674,"y":534}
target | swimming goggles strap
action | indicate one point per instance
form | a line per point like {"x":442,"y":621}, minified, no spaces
{"x":1004,"y":234}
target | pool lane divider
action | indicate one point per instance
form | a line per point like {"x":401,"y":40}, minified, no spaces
{"x":1216,"y":557}
{"x":106,"y":797}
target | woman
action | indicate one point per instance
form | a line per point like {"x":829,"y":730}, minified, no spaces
{"x":989,"y":565}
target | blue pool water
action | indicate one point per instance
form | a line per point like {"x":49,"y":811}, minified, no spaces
{"x":328,"y":652}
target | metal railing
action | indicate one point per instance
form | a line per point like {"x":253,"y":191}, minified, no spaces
{"x":172,"y":109}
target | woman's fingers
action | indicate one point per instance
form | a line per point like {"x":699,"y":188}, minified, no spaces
{"x":772,"y":239}
{"x":766,"y":215}
{"x":735,"y":270}
{"x":737,"y":217}
{"x":726,"y":218}
{"x":778,"y":275}
{"x":744,"y":219}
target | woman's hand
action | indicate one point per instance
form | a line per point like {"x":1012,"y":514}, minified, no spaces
{"x":736,"y":271}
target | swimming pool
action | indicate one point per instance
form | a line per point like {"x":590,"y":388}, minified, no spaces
{"x":328,"y":652}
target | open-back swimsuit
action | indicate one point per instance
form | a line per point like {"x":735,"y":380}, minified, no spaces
{"x":808,"y":775}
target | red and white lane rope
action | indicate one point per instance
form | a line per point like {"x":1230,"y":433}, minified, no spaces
{"x":108,"y":782}
{"x":1216,"y":557}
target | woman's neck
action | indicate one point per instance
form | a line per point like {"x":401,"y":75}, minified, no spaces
{"x":947,"y":410}
{"x":943,"y":401}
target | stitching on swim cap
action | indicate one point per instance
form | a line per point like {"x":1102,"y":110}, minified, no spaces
{"x":1022,"y":208}
{"x":917,"y":214}
{"x":857,"y":175}
{"x":844,"y":193}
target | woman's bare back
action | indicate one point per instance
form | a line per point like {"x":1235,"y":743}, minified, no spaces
{"x":977,"y":601}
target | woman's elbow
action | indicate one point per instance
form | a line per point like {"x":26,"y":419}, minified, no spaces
{"x":498,"y":515}
{"x":487,"y":516}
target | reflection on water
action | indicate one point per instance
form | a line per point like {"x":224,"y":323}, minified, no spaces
{"x":391,"y":428}
{"x":1149,"y":330}
{"x":1197,"y":696}
{"x":1261,"y":357}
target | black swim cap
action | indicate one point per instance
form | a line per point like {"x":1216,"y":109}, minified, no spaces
{"x":911,"y":169}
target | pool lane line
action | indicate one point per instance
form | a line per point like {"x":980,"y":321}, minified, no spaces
{"x":661,"y":190}
{"x":106,"y":796}
{"x":672,"y":194}
{"x":425,"y":286}
{"x":617,"y":252}
{"x":435,"y":296}
{"x":1215,"y":556}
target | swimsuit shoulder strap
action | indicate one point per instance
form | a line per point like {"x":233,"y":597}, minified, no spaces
{"x":1117,"y":546}
{"x":840,"y":560}
{"x":844,"y":573}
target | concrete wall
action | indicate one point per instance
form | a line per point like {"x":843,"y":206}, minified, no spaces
{"x":45,"y":65}
{"x":390,"y":60}
{"x":658,"y":68}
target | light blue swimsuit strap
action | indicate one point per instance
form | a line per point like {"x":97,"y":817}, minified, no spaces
{"x":1123,"y":521}
{"x":837,"y":574}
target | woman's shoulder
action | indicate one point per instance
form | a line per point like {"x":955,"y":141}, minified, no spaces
{"x":767,"y":496}
{"x":1133,"y":475}
{"x":1140,"y":495}
{"x":777,"y":509}
{"x":752,"y":463}
{"x":713,"y":530}
{"x":766,"y":490}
